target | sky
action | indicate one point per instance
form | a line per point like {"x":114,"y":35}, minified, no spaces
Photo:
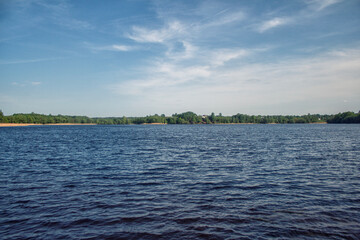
{"x":142,"y":57}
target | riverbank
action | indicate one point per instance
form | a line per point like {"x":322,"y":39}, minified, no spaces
{"x":85,"y":124}
{"x":37,"y":124}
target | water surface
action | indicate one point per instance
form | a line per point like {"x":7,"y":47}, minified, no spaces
{"x":180,"y":182}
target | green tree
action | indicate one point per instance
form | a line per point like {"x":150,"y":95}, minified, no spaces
{"x":212,"y":117}
{"x":207,"y":120}
{"x":124,"y":120}
{"x":1,"y":116}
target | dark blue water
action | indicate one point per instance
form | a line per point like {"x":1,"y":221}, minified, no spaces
{"x":180,"y":182}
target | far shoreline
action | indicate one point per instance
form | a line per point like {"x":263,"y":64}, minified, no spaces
{"x":39,"y":124}
{"x":32,"y":119}
{"x":87,"y":124}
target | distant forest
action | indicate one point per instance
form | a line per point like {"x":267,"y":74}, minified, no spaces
{"x":183,"y":118}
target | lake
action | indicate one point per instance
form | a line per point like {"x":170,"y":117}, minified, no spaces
{"x":180,"y":182}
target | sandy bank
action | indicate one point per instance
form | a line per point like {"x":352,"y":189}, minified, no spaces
{"x":37,"y":124}
{"x":17,"y":124}
{"x":71,"y":124}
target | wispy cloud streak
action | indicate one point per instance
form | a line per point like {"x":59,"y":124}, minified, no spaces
{"x":273,"y":23}
{"x":24,"y":84}
{"x":314,"y":7}
{"x":58,"y":12}
{"x":168,"y":32}
{"x":319,"y":5}
{"x":114,"y":47}
{"x":22,"y":61}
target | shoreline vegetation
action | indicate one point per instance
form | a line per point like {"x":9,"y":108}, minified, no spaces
{"x":33,"y":119}
{"x":39,"y":124}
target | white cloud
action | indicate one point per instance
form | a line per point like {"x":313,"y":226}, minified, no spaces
{"x":221,"y":56}
{"x":174,"y":29}
{"x":24,"y":84}
{"x":173,"y":74}
{"x":176,"y":69}
{"x":122,"y":48}
{"x":319,"y":5}
{"x":314,"y":6}
{"x":275,"y":22}
{"x":222,"y":18}
{"x":192,"y":75}
{"x":144,"y":35}
{"x":162,"y":75}
{"x":277,"y":86}
{"x":21,"y":61}
{"x":114,"y":47}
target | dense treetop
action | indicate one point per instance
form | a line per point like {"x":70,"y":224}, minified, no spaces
{"x":182,"y":118}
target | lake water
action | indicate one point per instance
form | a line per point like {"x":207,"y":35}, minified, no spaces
{"x":180,"y":182}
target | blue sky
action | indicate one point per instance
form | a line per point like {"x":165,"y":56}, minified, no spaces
{"x":136,"y":58}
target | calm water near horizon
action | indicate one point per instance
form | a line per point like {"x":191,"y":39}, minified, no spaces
{"x":180,"y":182}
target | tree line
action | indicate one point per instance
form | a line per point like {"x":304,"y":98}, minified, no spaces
{"x":182,"y":118}
{"x":346,"y":117}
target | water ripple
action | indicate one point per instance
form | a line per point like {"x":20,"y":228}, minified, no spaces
{"x":180,"y":182}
